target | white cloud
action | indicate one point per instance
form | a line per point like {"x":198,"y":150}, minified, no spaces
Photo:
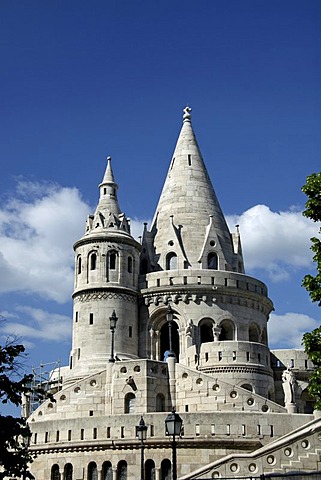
{"x":27,"y":324}
{"x":286,"y":331}
{"x":38,"y":227}
{"x":277,"y":242}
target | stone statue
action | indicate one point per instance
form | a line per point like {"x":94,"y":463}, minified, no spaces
{"x":189,"y":333}
{"x":288,"y":383}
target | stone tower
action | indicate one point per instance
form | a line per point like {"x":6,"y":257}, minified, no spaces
{"x":191,"y":260}
{"x":235,"y":397}
{"x":106,"y":279}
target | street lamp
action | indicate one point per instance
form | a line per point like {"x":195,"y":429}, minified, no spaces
{"x":173,"y":427}
{"x":141,"y":433}
{"x":113,"y":320}
{"x":169,"y":319}
{"x":26,"y":445}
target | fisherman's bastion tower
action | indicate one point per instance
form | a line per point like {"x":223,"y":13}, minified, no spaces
{"x":172,"y":322}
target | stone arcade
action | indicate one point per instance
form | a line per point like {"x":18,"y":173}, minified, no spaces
{"x":245,"y":409}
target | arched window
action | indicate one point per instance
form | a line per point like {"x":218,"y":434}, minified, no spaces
{"x":68,"y":470}
{"x":160,"y":403}
{"x":130,"y":403}
{"x":79,"y":265}
{"x":212,"y":262}
{"x":122,"y":470}
{"x":166,"y":469}
{"x":206,"y":330}
{"x":171,"y":261}
{"x":150,"y":470}
{"x":92,"y":471}
{"x":93,"y":261}
{"x":130,"y":265}
{"x":55,"y":475}
{"x":227,"y":330}
{"x":112,"y":260}
{"x":253,"y":333}
{"x":107,"y":471}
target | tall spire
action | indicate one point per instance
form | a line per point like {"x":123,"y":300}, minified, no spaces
{"x":108,"y":214}
{"x":188,"y":209}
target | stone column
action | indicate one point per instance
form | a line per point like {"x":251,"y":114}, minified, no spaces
{"x":152,"y":346}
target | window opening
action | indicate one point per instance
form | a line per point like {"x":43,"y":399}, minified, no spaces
{"x":212,"y":262}
{"x":171,"y":261}
{"x":93,"y":261}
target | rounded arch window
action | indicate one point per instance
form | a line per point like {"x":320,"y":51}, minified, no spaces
{"x":107,"y":471}
{"x":171,"y":261}
{"x":79,"y":265}
{"x":68,"y":471}
{"x":55,"y":474}
{"x":130,"y":265}
{"x":254,"y":333}
{"x":166,"y":469}
{"x":122,"y":470}
{"x":206,"y":330}
{"x":92,"y":471}
{"x":130,"y":403}
{"x":93,"y":261}
{"x":227,"y":330}
{"x":160,"y":402}
{"x":112,"y":260}
{"x":212,"y":261}
{"x":150,"y":470}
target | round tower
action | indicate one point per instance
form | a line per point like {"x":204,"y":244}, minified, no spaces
{"x":192,"y":261}
{"x":106,"y":279}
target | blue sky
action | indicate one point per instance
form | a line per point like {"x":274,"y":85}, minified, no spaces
{"x":82,"y":80}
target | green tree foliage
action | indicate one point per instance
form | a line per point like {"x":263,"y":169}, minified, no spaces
{"x":312,"y":340}
{"x":14,"y":432}
{"x":312,"y":189}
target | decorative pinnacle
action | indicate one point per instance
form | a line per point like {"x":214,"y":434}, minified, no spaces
{"x":187,"y":114}
{"x":108,"y":158}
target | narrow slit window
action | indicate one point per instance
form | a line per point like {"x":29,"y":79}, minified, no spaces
{"x":93,"y":261}
{"x":91,"y":319}
{"x":189,"y":158}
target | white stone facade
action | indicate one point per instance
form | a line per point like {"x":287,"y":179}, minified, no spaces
{"x":224,"y":383}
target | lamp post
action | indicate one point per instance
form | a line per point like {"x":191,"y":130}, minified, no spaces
{"x":173,"y":427}
{"x":113,"y":320}
{"x":169,"y":319}
{"x":141,"y":433}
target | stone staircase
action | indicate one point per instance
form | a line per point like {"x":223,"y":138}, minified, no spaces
{"x":297,"y":451}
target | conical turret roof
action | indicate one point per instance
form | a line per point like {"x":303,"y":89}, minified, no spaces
{"x":188,"y":209}
{"x":108,"y":215}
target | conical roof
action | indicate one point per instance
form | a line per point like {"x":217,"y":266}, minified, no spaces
{"x":188,"y":208}
{"x":108,"y":215}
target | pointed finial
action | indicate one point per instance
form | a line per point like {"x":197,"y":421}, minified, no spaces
{"x":108,"y":159}
{"x":187,"y":114}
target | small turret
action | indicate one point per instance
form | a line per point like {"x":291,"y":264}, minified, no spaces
{"x":106,"y":279}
